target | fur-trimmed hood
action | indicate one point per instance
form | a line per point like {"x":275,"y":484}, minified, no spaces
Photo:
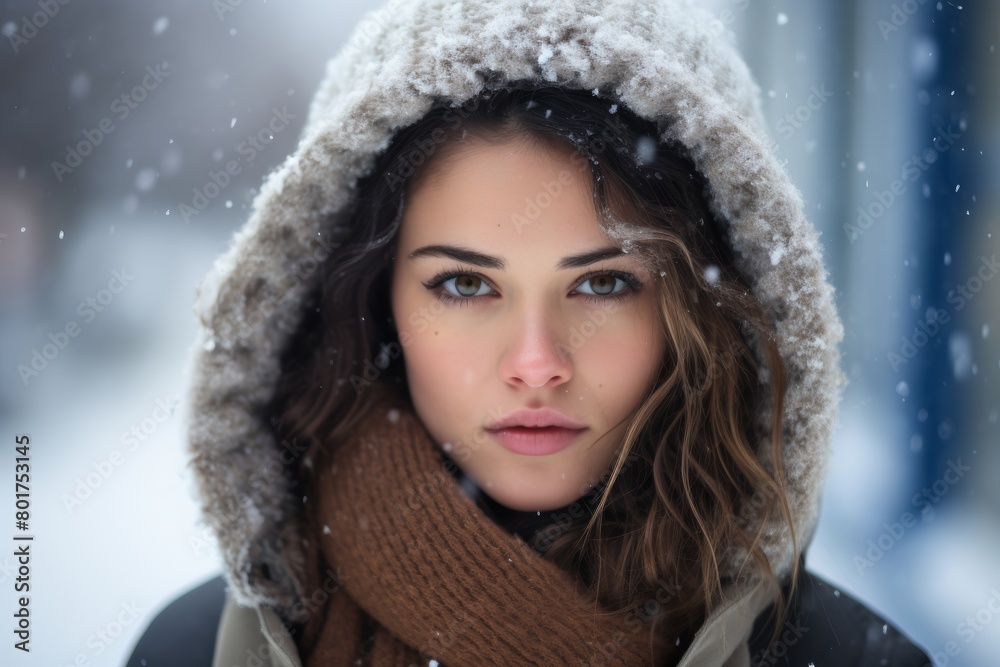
{"x":666,"y":60}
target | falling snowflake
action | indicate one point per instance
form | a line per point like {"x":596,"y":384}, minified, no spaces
{"x":645,"y":148}
{"x":145,"y":180}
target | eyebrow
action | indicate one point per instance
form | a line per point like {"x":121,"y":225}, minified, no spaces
{"x":491,"y":262}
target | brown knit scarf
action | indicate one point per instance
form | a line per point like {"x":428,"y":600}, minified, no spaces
{"x":427,"y":575}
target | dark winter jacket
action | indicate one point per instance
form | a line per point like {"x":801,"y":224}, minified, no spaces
{"x":670,"y":63}
{"x":826,"y":628}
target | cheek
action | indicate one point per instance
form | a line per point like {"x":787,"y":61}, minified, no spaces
{"x":440,"y":357}
{"x":440,"y":363}
{"x":621,"y":359}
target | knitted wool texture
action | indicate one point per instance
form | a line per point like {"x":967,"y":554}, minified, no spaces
{"x":425,"y":574}
{"x":663,"y":59}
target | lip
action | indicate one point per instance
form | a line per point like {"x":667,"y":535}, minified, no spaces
{"x":535,"y":432}
{"x":535,"y":418}
{"x":536,"y":441}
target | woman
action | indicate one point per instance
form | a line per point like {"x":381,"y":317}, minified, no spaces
{"x":527,"y":356}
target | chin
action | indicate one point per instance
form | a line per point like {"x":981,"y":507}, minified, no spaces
{"x":539,"y":494}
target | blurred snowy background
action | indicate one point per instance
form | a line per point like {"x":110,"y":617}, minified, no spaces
{"x":885,"y":111}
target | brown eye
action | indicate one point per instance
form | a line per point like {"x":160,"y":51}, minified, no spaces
{"x":468,"y":288}
{"x":467,"y":285}
{"x":603,"y":284}
{"x":604,"y":287}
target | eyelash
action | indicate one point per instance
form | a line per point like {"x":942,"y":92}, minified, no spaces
{"x":435,"y":286}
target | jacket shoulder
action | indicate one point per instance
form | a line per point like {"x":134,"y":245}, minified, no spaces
{"x":826,"y":626}
{"x":183,"y":632}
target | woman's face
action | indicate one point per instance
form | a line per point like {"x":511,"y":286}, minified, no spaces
{"x":502,"y":304}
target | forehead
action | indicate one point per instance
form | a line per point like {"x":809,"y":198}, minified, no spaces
{"x":515,"y":194}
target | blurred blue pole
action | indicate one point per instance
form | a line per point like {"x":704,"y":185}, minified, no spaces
{"x":942,"y":226}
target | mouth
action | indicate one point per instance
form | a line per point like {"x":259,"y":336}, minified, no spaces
{"x":536,"y":440}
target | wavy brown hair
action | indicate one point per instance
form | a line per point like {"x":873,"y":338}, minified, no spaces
{"x":668,"y":511}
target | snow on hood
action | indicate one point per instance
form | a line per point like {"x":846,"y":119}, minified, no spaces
{"x":667,"y":60}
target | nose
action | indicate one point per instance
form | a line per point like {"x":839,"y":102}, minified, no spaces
{"x":536,"y":355}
